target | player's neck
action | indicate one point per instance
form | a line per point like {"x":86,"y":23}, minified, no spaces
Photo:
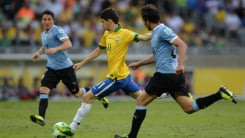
{"x":113,"y":27}
{"x":154,"y":25}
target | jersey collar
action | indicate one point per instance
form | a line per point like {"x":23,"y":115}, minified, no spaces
{"x":50,"y":29}
{"x":118,"y":28}
{"x":161,"y":24}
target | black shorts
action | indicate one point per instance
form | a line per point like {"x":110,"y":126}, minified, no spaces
{"x":52,"y":77}
{"x":162,"y":83}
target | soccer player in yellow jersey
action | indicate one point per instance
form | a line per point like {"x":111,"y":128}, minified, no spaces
{"x":115,"y":41}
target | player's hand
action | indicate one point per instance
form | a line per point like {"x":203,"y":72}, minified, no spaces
{"x":180,"y":69}
{"x":134,"y":65}
{"x":50,"y":51}
{"x":77,"y":66}
{"x":35,"y":57}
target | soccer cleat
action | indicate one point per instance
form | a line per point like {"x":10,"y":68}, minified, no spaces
{"x":227,"y":94}
{"x":191,"y":97}
{"x":66,"y":130}
{"x":119,"y":136}
{"x":104,"y":101}
{"x":37,"y":119}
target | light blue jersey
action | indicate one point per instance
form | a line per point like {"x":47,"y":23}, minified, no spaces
{"x":51,"y":39}
{"x":163,"y":50}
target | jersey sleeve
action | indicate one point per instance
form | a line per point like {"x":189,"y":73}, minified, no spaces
{"x":60,"y":33}
{"x":132,"y":36}
{"x":168,"y":34}
{"x":102,"y":43}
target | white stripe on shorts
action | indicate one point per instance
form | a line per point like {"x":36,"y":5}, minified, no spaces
{"x":113,"y":82}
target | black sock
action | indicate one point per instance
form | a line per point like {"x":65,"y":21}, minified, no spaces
{"x":43,"y":105}
{"x":87,"y":89}
{"x":208,"y":100}
{"x":138,"y":118}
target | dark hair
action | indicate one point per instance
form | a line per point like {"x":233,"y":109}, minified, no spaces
{"x":48,"y":12}
{"x":150,"y":12}
{"x":109,"y":13}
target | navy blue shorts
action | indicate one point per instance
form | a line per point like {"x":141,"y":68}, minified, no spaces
{"x":68,"y":76}
{"x":162,"y":83}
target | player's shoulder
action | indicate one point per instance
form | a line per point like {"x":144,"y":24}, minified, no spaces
{"x":166,"y":29}
{"x":58,"y":29}
{"x":127,"y":32}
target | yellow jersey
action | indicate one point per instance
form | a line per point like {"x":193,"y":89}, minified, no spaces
{"x":116,"y":44}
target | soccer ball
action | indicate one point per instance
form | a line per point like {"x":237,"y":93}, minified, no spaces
{"x":57,"y":127}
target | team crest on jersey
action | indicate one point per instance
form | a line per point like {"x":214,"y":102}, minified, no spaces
{"x":117,"y":38}
{"x":60,"y":30}
{"x":167,"y":31}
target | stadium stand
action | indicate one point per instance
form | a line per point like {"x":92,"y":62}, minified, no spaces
{"x":210,"y":27}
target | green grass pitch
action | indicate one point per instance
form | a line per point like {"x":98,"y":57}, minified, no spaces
{"x":164,"y":119}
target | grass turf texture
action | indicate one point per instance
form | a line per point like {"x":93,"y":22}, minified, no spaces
{"x":164,"y":119}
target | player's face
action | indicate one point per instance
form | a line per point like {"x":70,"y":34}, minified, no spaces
{"x":105,"y":24}
{"x":147,"y":25}
{"x":47,"y":22}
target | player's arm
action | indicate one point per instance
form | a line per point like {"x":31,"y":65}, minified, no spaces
{"x":66,"y":44}
{"x":142,"y":62}
{"x":37,"y":54}
{"x":144,"y":37}
{"x":95,"y":53}
{"x":182,"y":48}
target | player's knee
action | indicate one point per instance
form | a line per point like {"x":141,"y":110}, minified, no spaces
{"x":89,"y":97}
{"x":79,"y":94}
{"x":45,"y":90}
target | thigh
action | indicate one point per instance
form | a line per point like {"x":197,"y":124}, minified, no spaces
{"x":104,"y":88}
{"x":144,"y":99}
{"x":50,"y":79}
{"x":128,"y":85}
{"x":184,"y":101}
{"x":68,"y":77}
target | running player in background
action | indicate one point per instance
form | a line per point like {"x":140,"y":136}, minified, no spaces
{"x":169,"y":76}
{"x":59,"y":66}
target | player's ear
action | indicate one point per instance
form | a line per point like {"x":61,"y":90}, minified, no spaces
{"x":110,"y":21}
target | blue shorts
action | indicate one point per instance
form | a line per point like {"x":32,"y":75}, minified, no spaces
{"x":109,"y":86}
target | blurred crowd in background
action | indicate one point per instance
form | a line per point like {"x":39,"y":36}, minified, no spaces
{"x":201,"y":23}
{"x":11,"y":90}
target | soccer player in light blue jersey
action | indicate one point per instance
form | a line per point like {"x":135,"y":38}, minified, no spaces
{"x":169,"y":76}
{"x":55,"y":44}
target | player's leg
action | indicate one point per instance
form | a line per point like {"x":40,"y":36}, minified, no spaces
{"x":153,"y":89}
{"x":48,"y":82}
{"x":190,"y":106}
{"x":43,"y":105}
{"x":129,"y":87}
{"x":140,"y":112}
{"x":139,"y":115}
{"x":88,"y":99}
{"x":98,"y":91}
{"x":68,"y":77}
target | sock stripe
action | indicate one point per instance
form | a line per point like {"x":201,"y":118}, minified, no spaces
{"x":195,"y":106}
{"x":43,"y":96}
{"x":83,"y":90}
{"x":140,"y":107}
